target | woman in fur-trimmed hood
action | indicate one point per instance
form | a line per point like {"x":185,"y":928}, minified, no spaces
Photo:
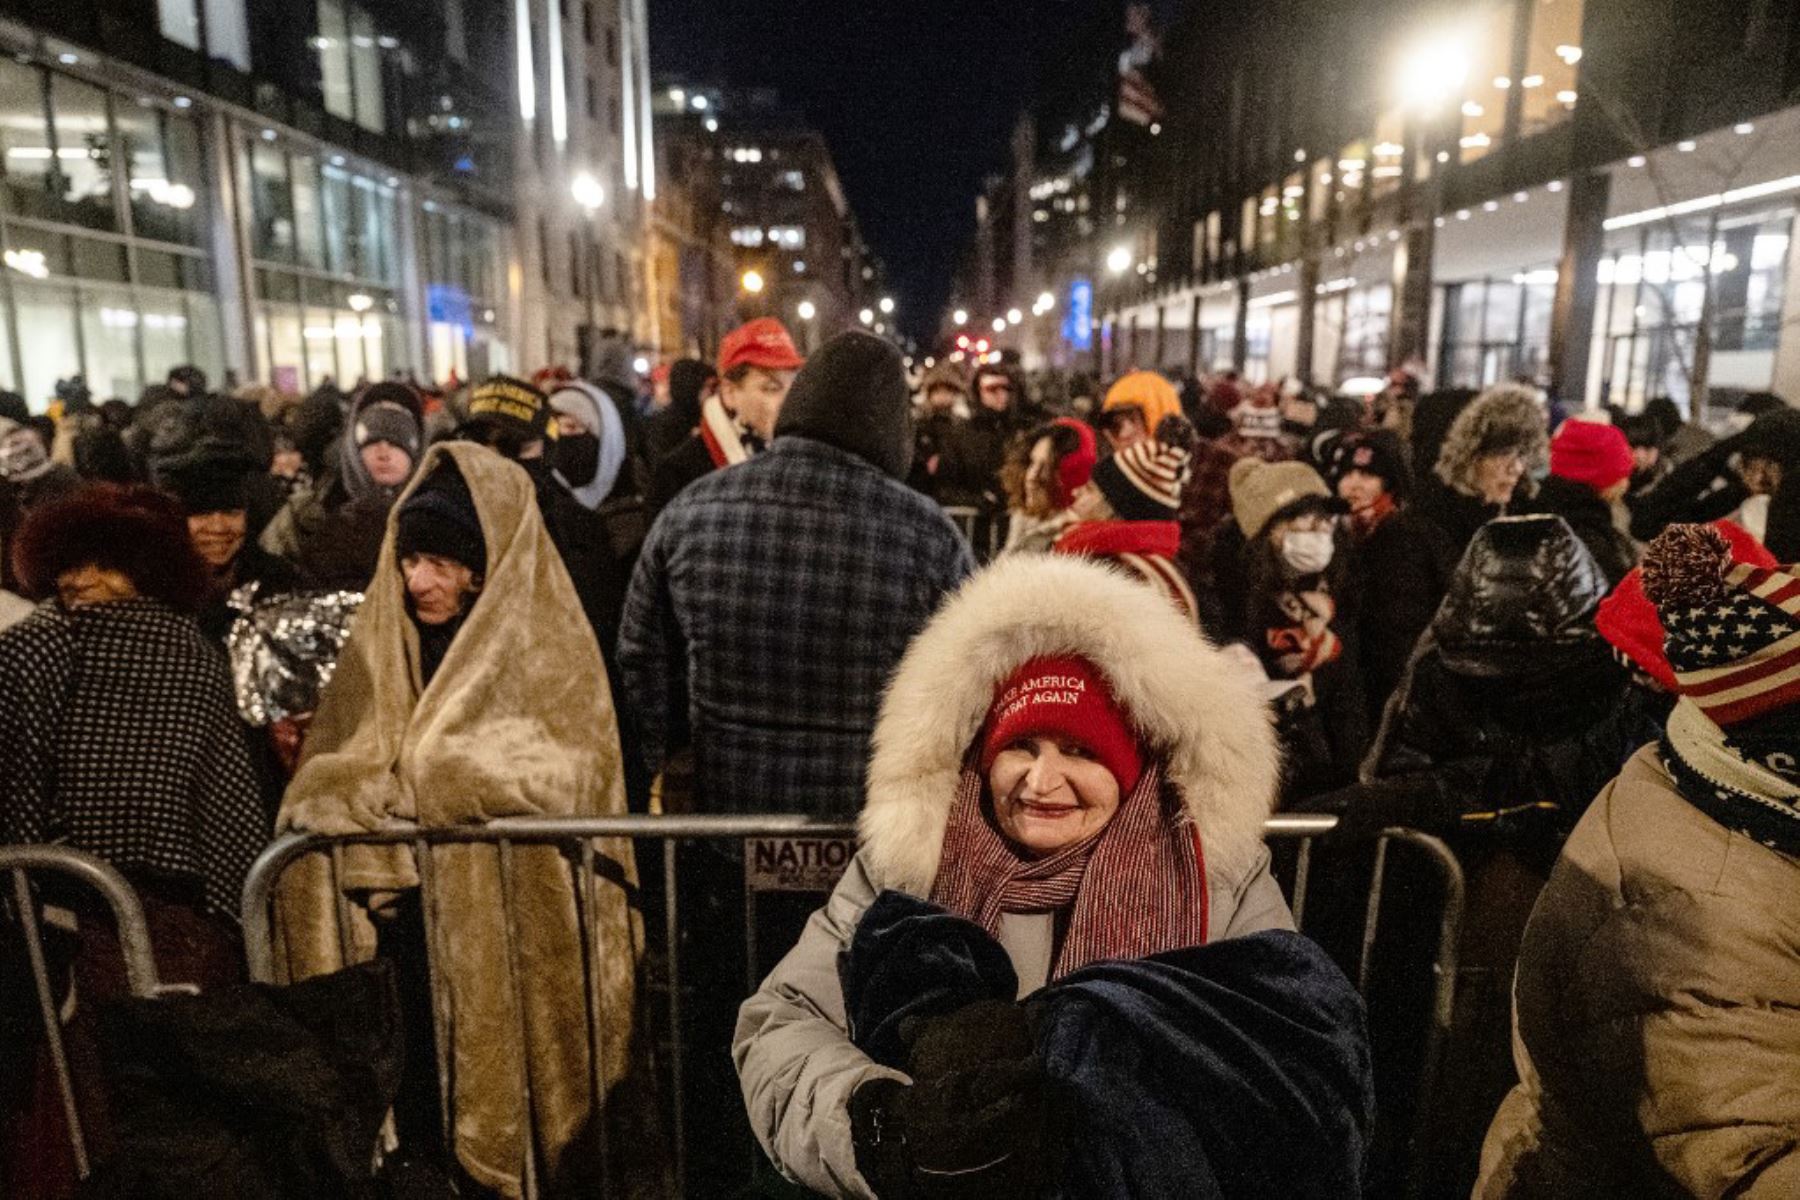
{"x":1064,"y":814}
{"x":501,"y":710}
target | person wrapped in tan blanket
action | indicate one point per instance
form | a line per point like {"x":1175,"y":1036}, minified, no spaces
{"x":471,"y":688}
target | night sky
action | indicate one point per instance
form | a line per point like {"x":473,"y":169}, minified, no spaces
{"x":917,"y":99}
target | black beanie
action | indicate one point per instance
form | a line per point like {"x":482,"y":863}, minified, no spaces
{"x":853,"y":395}
{"x":1377,"y":452}
{"x":440,"y":518}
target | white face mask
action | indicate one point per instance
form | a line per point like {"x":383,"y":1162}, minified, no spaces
{"x":1308,"y":553}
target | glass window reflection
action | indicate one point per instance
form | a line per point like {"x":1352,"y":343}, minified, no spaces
{"x":83,"y":182}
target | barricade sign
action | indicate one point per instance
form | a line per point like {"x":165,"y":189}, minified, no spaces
{"x":796,"y":864}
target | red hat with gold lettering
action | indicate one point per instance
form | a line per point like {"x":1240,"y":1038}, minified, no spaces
{"x":764,"y":343}
{"x":1063,"y":696}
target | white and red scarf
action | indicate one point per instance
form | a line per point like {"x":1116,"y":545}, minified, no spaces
{"x":1310,"y":642}
{"x":1136,"y":889}
{"x":727,"y":440}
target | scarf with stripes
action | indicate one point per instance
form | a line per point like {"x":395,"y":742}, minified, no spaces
{"x":1135,"y":889}
{"x":727,"y":440}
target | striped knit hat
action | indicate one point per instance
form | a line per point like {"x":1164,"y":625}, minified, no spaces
{"x":1733,"y":629}
{"x":1144,"y":482}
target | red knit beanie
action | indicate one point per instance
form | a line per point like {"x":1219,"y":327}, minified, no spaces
{"x":1063,"y":696}
{"x":1587,"y":453}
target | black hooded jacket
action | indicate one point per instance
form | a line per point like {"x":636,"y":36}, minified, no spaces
{"x":1513,"y":711}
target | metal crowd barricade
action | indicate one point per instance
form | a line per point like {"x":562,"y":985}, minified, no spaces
{"x":577,"y":835}
{"x":983,"y":531}
{"x":94,"y":875}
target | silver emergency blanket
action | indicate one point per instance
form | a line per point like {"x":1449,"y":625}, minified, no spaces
{"x":285,"y":648}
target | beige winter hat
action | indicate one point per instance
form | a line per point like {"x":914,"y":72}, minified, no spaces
{"x":1259,"y":490}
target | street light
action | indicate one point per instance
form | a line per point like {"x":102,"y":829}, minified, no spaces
{"x":999,"y":324}
{"x":1046,"y":301}
{"x":887,"y":304}
{"x":587,"y":191}
{"x":753,"y":282}
{"x":1014,"y":316}
{"x":960,"y":317}
{"x":808,"y":310}
{"x":1433,"y":72}
{"x":866,"y":316}
{"x":1119,"y":261}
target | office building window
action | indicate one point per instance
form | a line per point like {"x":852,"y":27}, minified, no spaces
{"x":79,"y":124}
{"x":333,"y":45}
{"x":179,"y":21}
{"x":1387,"y":156}
{"x":456,"y":36}
{"x":324,"y":237}
{"x":1551,"y":62}
{"x":349,"y":51}
{"x":365,"y":71}
{"x":1490,"y":79}
{"x":228,"y":33}
{"x":163,"y":170}
{"x":103,"y":280}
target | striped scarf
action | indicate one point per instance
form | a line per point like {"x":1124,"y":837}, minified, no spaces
{"x":1744,"y":796}
{"x":727,"y":441}
{"x":1135,"y":889}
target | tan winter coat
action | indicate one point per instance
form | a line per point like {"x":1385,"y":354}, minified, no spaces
{"x":1197,"y":709}
{"x":518,"y":721}
{"x":1656,"y":1011}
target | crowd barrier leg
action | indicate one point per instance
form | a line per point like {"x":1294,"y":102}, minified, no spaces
{"x":92,"y":875}
{"x":677,"y":1060}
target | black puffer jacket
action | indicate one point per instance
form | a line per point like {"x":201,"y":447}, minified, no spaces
{"x":1511,"y":701}
{"x":1511,"y":718}
{"x":1406,"y":570}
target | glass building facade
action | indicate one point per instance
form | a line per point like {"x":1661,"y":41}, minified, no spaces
{"x":325,"y":258}
{"x":102,"y":224}
{"x":142,"y":228}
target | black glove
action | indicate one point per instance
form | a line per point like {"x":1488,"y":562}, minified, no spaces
{"x":987,"y":1031}
{"x":995,"y":1131}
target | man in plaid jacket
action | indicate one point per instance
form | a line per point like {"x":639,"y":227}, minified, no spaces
{"x":774,"y":598}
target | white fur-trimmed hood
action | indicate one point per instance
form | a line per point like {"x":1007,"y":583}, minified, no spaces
{"x":1198,"y":710}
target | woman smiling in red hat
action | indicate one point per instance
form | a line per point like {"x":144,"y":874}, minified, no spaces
{"x":1063,"y":818}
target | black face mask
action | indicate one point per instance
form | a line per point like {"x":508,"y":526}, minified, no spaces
{"x":577,"y":458}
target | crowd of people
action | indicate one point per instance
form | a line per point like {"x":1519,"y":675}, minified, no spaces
{"x":1169,"y":611}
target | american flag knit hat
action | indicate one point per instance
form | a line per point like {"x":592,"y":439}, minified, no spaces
{"x":1732,"y":629}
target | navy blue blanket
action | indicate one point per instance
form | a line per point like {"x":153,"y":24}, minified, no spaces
{"x":1239,"y":1069}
